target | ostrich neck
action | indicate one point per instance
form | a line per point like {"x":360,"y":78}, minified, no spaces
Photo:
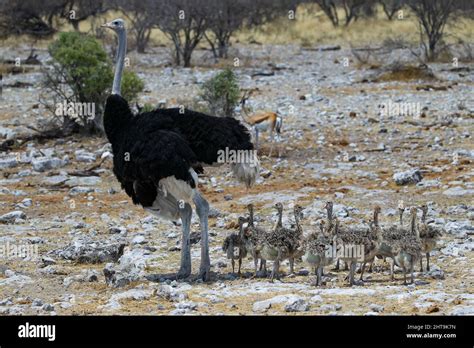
{"x":413,"y":223}
{"x":279,"y":222}
{"x":120,"y":58}
{"x":251,"y":217}
{"x":329,"y":218}
{"x":376,"y":218}
{"x":423,"y":216}
{"x":297,"y":222}
{"x":241,"y":229}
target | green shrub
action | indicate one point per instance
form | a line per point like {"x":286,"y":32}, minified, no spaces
{"x":81,"y":72}
{"x":221,"y":93}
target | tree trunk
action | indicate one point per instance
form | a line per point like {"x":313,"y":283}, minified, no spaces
{"x":223,"y":48}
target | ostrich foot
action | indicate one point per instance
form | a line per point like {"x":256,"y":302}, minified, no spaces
{"x":183,"y":273}
{"x":205,"y":272}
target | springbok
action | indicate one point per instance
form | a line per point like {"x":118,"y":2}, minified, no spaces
{"x":262,"y":121}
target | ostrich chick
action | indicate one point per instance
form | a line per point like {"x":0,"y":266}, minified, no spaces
{"x":254,"y":238}
{"x":429,"y":236}
{"x":409,"y":248}
{"x":316,"y":255}
{"x":236,"y":241}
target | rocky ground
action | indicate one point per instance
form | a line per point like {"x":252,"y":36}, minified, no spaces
{"x":97,"y":253}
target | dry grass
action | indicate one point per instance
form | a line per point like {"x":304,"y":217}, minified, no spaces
{"x":311,"y":27}
{"x":405,"y":73}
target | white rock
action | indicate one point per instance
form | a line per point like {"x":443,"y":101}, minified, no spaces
{"x":261,"y":306}
{"x":83,"y":181}
{"x":298,"y":305}
{"x":8,"y":163}
{"x":411,"y":176}
{"x":42,"y":164}
{"x":459,"y":228}
{"x":139,"y":240}
{"x":12,"y":216}
{"x":80,"y":190}
{"x":84,"y":156}
{"x":458,"y":191}
{"x":462,"y":310}
{"x":316,"y":299}
{"x":376,"y":307}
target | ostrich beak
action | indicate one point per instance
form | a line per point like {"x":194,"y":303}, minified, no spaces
{"x":107,"y":25}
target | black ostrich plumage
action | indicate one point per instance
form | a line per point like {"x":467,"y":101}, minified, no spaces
{"x":154,"y":145}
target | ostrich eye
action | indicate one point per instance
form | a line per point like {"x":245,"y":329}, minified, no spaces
{"x":115,"y":23}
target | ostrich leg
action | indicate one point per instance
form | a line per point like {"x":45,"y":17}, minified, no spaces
{"x":185,"y":212}
{"x":275,"y":271}
{"x":392,"y":269}
{"x":319,"y":275}
{"x":427,"y":261}
{"x":352,"y":268}
{"x":421,"y":264}
{"x":256,"y":139}
{"x":362,"y":271}
{"x":292,"y":265}
{"x":255,"y":262}
{"x":202,"y":209}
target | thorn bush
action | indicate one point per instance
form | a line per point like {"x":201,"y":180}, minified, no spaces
{"x":221,"y":93}
{"x":81,"y":72}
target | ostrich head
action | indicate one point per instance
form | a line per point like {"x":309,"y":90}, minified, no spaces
{"x":298,"y":210}
{"x":118,"y":25}
{"x":242,"y":221}
{"x":279,"y":206}
{"x":424,"y":210}
{"x":377,"y":209}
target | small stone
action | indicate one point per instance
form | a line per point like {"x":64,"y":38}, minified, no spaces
{"x":214,"y":213}
{"x":117,"y":230}
{"x":462,"y":310}
{"x":37,"y":302}
{"x":48,"y":307}
{"x":139,"y":240}
{"x":189,"y":305}
{"x":47,"y":261}
{"x":458,"y":191}
{"x":412,"y":176}
{"x":8,"y":163}
{"x":12,"y":216}
{"x":376,"y":307}
{"x":84,"y":156}
{"x":261,"y":306}
{"x":299,"y":305}
{"x":42,"y":164}
{"x":6,"y":302}
{"x":316,"y":299}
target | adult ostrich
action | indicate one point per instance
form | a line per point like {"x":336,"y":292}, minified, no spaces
{"x":157,"y":154}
